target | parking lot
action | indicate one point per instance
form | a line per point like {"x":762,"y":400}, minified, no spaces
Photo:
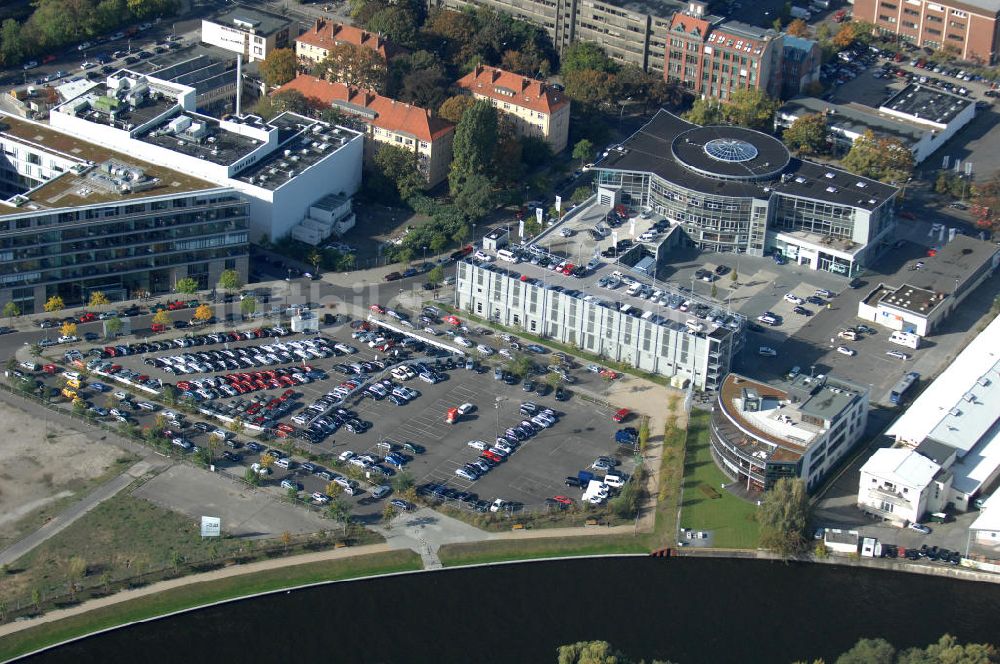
{"x":428,"y":449}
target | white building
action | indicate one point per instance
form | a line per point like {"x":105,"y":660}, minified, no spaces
{"x":251,"y":32}
{"x":955,"y":423}
{"x":939,"y":283}
{"x":986,"y":528}
{"x":901,"y":485}
{"x":283,"y":165}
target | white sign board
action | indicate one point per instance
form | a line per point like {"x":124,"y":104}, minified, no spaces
{"x":520,"y":229}
{"x":538,"y":215}
{"x":211,"y":526}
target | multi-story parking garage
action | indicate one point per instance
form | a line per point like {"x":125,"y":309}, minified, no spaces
{"x":735,"y":189}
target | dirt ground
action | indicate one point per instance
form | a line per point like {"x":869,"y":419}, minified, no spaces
{"x":52,"y":464}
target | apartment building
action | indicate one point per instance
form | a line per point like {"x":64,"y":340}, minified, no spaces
{"x":631,"y":32}
{"x":970,"y":27}
{"x":536,"y":108}
{"x":798,"y":428}
{"x":801,"y":60}
{"x":282,"y":165}
{"x":314,"y":45}
{"x":78,"y":218}
{"x":251,"y":32}
{"x":714,"y":57}
{"x":389,"y":122}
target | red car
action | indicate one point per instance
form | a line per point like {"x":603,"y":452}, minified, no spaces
{"x":286,"y":427}
{"x":378,"y":308}
{"x":175,"y":305}
{"x":86,"y":317}
{"x":563,"y":500}
{"x":620,"y":415}
{"x":608,"y":373}
{"x":158,"y":327}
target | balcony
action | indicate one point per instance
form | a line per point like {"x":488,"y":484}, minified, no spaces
{"x":885,"y":495}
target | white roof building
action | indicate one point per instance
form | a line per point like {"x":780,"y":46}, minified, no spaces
{"x":902,"y":467}
{"x":986,"y":528}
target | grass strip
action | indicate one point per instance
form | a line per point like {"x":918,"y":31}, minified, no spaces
{"x":473,"y":553}
{"x":202,"y":593}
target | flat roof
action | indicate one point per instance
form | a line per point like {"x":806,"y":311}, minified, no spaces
{"x":927,"y":104}
{"x":979,"y":465}
{"x":204,"y":67}
{"x":901,"y":465}
{"x":989,"y":515}
{"x":856,"y":118}
{"x":264,"y":23}
{"x":978,"y":363}
{"x":730,"y":152}
{"x":215,"y":144}
{"x":72,"y":189}
{"x":649,"y":150}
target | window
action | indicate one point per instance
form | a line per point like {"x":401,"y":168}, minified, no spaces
{"x":934,"y":31}
{"x":888,"y":5}
{"x":956,"y":37}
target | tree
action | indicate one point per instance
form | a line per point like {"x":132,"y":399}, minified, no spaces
{"x":583,"y":55}
{"x":229,"y":281}
{"x":869,"y":651}
{"x":203,"y":312}
{"x":353,"y":65}
{"x":187,"y":286}
{"x":98,"y":299}
{"x":808,"y":134}
{"x":475,"y":198}
{"x":590,"y":86}
{"x":11,"y":44}
{"x":519,"y":365}
{"x":54,"y":304}
{"x":112,"y":326}
{"x":339,"y":509}
{"x":583,"y":150}
{"x":68,"y":329}
{"x":11,"y":311}
{"x":580,"y":194}
{"x":881,"y":158}
{"x":947,"y":650}
{"x":591,"y":652}
{"x":399,"y":167}
{"x":402,"y":481}
{"x":844,"y":37}
{"x":474,"y":144}
{"x":396,"y":23}
{"x":436,"y":275}
{"x":279,"y":67}
{"x":798,"y":28}
{"x":251,"y":477}
{"x":388,"y":512}
{"x":453,"y":108}
{"x":425,"y":87}
{"x":162,"y":317}
{"x":76,"y":569}
{"x":784,"y":516}
{"x":986,"y":203}
{"x":751,"y":108}
{"x":248,"y":305}
{"x":287,"y":100}
{"x":705,"y":111}
{"x":527,"y":62}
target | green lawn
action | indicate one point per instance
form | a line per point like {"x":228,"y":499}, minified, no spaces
{"x":501,"y":550}
{"x":207,"y":592}
{"x":707,"y":506}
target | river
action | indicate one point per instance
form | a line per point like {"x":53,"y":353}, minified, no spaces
{"x":689,"y":610}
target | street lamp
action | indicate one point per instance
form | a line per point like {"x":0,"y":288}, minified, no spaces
{"x":497,"y":405}
{"x":622,"y":112}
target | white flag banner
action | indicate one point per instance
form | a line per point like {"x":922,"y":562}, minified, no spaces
{"x":631,"y":227}
{"x":538,"y":215}
{"x":520,"y":228}
{"x":558,"y":203}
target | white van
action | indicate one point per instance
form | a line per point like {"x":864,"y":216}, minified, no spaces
{"x":694,"y":326}
{"x":907,"y":339}
{"x":508,"y":256}
{"x":71,"y":375}
{"x":634,"y":289}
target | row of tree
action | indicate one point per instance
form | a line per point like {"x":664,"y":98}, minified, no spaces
{"x":947,"y":650}
{"x":594,"y":79}
{"x":55,"y":24}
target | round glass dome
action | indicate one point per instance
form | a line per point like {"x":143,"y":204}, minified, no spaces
{"x":730,"y":150}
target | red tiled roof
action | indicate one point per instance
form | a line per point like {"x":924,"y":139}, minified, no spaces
{"x":326,"y":34}
{"x":389,"y":114}
{"x":513,"y":89}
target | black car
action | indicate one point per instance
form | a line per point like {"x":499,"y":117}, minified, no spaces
{"x":574,"y":482}
{"x":510,"y":379}
{"x":528,"y":386}
{"x":561,"y":394}
{"x":542,"y":389}
{"x":721,"y":270}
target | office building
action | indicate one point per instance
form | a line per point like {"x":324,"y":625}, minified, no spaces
{"x":389,"y":122}
{"x":314,"y":45}
{"x":282,"y":165}
{"x":253,"y":33}
{"x":937,"y":284}
{"x":907,"y":116}
{"x":714,"y":57}
{"x":535,"y":107}
{"x":969,"y":27}
{"x":630,"y":32}
{"x":800,"y":65}
{"x":734,"y":189}
{"x":79,"y":218}
{"x":955,"y":425}
{"x":797,"y":428}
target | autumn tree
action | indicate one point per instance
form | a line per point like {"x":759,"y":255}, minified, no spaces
{"x":705,"y":111}
{"x":751,"y":108}
{"x":844,"y":37}
{"x":279,"y":67}
{"x":882,"y":158}
{"x":986,"y":203}
{"x":203,"y":313}
{"x":949,"y":650}
{"x":784,"y":516}
{"x":98,"y":299}
{"x":54,"y":304}
{"x":798,"y":28}
{"x":453,"y":108}
{"x":869,"y":651}
{"x":353,"y":65}
{"x":589,"y":86}
{"x":161,"y":317}
{"x":68,"y":329}
{"x":808,"y":134}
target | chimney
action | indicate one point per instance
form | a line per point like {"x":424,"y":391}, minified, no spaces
{"x":524,"y":84}
{"x":697,"y":8}
{"x":239,"y":84}
{"x":335,"y":29}
{"x":494,"y":75}
{"x":479,"y":70}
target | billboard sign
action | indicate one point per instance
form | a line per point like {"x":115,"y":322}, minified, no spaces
{"x":211,"y":526}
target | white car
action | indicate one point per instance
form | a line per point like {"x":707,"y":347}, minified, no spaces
{"x":898,"y":354}
{"x":498,"y":505}
{"x":478,"y":445}
{"x":462,"y":341}
{"x":767,"y":351}
{"x":431,"y":330}
{"x":466,"y":408}
{"x":844,"y":350}
{"x":485,"y":350}
{"x":346,"y":455}
{"x":482,"y":256}
{"x":794,"y":299}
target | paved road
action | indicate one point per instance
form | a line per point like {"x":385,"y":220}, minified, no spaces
{"x":63,"y":520}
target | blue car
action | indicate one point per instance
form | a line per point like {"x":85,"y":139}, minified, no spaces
{"x":100,"y":387}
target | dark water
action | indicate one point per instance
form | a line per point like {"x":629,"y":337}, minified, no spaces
{"x":685,"y":610}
